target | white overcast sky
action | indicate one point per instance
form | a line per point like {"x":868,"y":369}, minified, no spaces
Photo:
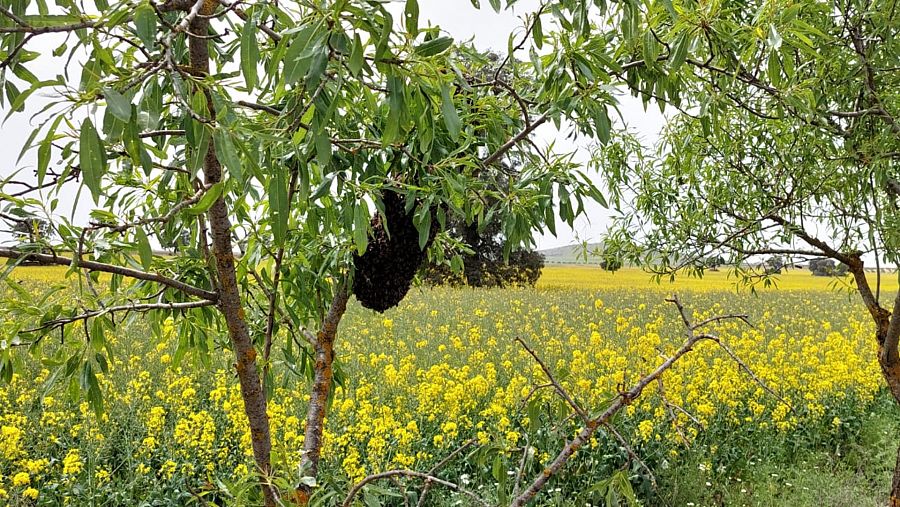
{"x":487,"y":29}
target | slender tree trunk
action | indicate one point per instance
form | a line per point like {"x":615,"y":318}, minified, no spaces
{"x":887,"y":334}
{"x":229,"y":294}
{"x":895,"y":483}
{"x":315,"y":415}
{"x":891,"y":373}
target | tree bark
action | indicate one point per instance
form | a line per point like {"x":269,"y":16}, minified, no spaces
{"x":315,"y":416}
{"x":887,"y":334}
{"x":229,"y":293}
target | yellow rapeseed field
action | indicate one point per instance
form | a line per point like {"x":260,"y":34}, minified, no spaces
{"x":442,"y":368}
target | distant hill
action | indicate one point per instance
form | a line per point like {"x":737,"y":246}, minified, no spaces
{"x":571,"y":254}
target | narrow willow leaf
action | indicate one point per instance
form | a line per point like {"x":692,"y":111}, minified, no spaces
{"x":434,"y":46}
{"x":323,"y":149}
{"x":249,"y":54}
{"x":228,"y":154}
{"x":396,"y":104}
{"x":679,"y":51}
{"x":451,"y":118}
{"x":411,"y":16}
{"x":91,"y":158}
{"x":144,"y":250}
{"x":118,"y":105}
{"x":279,"y":208}
{"x":356,"y":56}
{"x":145,"y":24}
{"x":361,"y":226}
{"x":208,"y":199}
{"x":774,"y":37}
{"x":537,"y":32}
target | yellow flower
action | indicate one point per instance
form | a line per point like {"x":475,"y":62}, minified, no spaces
{"x":168,"y":469}
{"x":21,"y":479}
{"x":72,"y":464}
{"x":10,"y":441}
{"x":30,"y":493}
{"x":645,"y":429}
{"x":102,"y":476}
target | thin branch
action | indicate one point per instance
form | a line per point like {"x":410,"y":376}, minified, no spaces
{"x":410,"y":473}
{"x":669,"y":408}
{"x":161,"y":133}
{"x":11,"y":253}
{"x":12,"y":54}
{"x":556,"y":385}
{"x":134,"y":307}
{"x":157,"y":220}
{"x":631,"y":454}
{"x":518,"y":137}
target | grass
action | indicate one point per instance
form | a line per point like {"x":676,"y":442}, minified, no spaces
{"x":857,"y":473}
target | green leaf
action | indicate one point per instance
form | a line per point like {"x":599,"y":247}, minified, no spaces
{"x":144,"y":250}
{"x":679,"y":51}
{"x":422,"y":221}
{"x":396,"y":105}
{"x":434,"y":47}
{"x":208,"y":199}
{"x":91,"y":73}
{"x":537,"y":32}
{"x":774,"y":37}
{"x":91,"y":158}
{"x":227,"y":154}
{"x":323,"y":149}
{"x":145,"y":24}
{"x":382,"y":46}
{"x":650,"y":49}
{"x":118,"y":105}
{"x":773,"y":69}
{"x":602,"y":124}
{"x":411,"y":16}
{"x":279,"y":207}
{"x":356,"y":56}
{"x":249,"y":53}
{"x":361,"y":226}
{"x":448,"y":110}
{"x":495,"y":4}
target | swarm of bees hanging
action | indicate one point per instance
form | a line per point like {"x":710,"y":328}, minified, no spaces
{"x":386,"y":270}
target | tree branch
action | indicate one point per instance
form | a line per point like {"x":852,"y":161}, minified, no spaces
{"x":134,"y":307}
{"x":410,"y":473}
{"x":11,"y":253}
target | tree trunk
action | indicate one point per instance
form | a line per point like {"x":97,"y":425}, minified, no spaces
{"x":891,"y":373}
{"x":315,"y":415}
{"x":895,"y":484}
{"x":229,"y":293}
